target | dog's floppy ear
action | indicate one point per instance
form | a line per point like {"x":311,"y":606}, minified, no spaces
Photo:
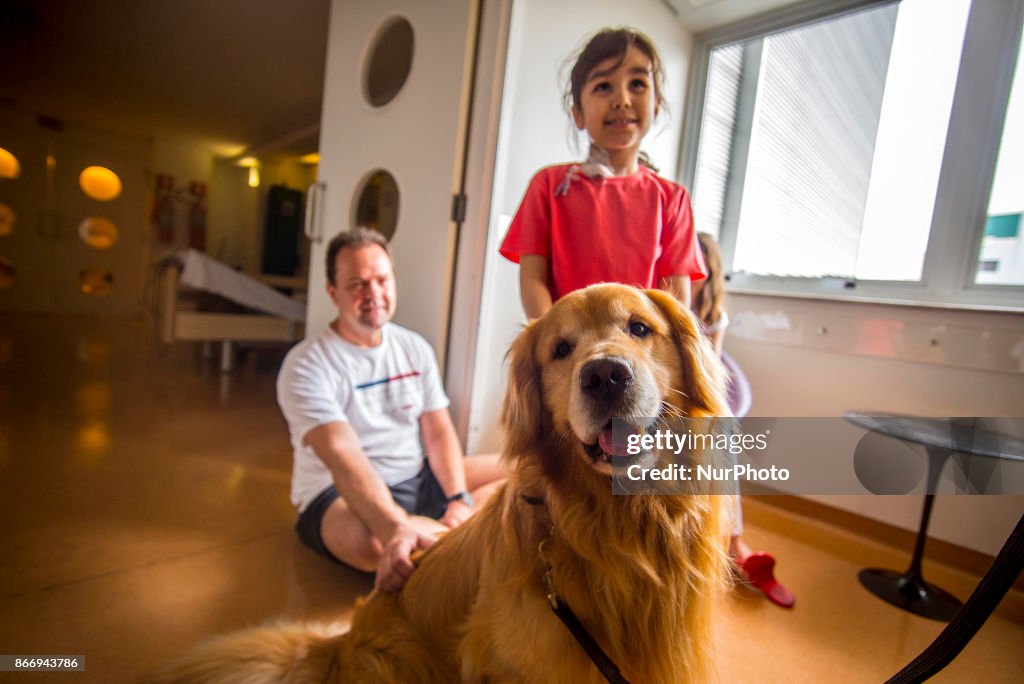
{"x":703,"y":373}
{"x":522,"y":410}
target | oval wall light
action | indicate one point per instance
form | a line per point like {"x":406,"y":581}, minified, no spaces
{"x":6,"y":273}
{"x":98,"y":282}
{"x":8,"y":217}
{"x":9,"y":166}
{"x":98,"y":232}
{"x":100,"y":183}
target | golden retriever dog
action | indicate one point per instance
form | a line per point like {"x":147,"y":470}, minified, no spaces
{"x":641,"y":572}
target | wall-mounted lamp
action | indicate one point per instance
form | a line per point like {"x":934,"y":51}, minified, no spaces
{"x":253,"y":164}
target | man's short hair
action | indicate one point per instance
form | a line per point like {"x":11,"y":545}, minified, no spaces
{"x":353,"y":239}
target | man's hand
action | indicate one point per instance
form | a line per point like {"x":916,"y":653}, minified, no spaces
{"x":456,"y":514}
{"x":395,"y":565}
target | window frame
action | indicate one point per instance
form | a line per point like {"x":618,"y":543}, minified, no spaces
{"x":981,"y":96}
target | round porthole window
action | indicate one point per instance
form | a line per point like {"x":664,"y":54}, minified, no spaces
{"x":390,"y":59}
{"x":98,"y":282}
{"x":100,"y":183}
{"x":377,"y":203}
{"x":8,"y":217}
{"x":97,"y":232}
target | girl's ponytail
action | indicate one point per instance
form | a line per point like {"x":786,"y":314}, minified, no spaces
{"x":644,"y":159}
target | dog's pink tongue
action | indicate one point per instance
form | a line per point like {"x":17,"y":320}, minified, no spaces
{"x":612,"y":446}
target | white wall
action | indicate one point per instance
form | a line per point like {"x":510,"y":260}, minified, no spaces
{"x":821,"y":358}
{"x":536,"y":131}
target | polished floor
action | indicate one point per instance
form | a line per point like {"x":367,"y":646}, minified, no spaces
{"x":145,"y":506}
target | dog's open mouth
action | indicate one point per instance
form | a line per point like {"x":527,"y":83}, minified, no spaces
{"x":615,"y":446}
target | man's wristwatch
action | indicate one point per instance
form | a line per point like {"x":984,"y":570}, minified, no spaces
{"x":463,"y":496}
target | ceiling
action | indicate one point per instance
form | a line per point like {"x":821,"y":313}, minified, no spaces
{"x":241,"y":73}
{"x":701,"y":15}
{"x":235,"y":74}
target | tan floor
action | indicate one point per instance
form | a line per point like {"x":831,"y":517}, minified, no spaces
{"x":145,"y":506}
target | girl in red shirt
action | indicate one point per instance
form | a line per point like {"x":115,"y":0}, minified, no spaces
{"x":610,"y":218}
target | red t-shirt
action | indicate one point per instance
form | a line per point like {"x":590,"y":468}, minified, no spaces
{"x":631,"y":229}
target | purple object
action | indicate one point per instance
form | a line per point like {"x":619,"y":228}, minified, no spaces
{"x":740,"y":395}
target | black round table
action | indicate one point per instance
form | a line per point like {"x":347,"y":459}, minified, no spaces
{"x":942,"y":437}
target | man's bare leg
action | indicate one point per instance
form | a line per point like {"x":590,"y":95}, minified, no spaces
{"x":351,"y":542}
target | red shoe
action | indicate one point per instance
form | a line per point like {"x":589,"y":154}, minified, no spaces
{"x":757,"y":570}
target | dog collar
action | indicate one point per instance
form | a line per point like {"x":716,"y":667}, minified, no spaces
{"x":605,"y":664}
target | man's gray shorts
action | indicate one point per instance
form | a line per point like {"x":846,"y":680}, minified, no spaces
{"x":419,"y":495}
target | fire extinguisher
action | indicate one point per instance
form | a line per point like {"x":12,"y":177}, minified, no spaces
{"x":197,"y":216}
{"x":163,"y":208}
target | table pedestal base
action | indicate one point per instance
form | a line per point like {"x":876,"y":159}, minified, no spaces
{"x":908,"y":591}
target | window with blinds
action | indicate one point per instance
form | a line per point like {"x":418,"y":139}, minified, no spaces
{"x":813,"y":126}
{"x":821,"y":146}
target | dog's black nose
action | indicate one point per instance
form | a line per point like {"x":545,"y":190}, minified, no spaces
{"x":606,"y":379}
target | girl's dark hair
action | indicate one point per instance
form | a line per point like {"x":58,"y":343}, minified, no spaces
{"x":710,"y":300}
{"x":607,"y":44}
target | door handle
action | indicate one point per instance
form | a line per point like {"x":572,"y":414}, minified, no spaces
{"x":311,"y":224}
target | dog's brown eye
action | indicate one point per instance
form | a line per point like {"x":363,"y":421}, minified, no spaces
{"x":638,"y":329}
{"x":562,"y":349}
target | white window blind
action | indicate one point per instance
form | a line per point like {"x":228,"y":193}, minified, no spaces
{"x":716,"y":141}
{"x":812,"y":139}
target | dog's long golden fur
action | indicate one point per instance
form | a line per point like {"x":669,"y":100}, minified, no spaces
{"x":642,"y":572}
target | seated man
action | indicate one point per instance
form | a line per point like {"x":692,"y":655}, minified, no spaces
{"x":356,"y":398}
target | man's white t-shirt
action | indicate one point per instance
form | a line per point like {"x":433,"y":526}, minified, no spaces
{"x":380,"y":391}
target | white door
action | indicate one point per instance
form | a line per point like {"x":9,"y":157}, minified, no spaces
{"x":417,"y":136}
{"x":71,"y":253}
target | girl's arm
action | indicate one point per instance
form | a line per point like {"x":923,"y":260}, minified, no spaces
{"x":678,"y":286}
{"x":717,"y":340}
{"x":533,"y":285}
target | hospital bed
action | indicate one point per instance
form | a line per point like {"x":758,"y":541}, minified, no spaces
{"x":274,"y":316}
